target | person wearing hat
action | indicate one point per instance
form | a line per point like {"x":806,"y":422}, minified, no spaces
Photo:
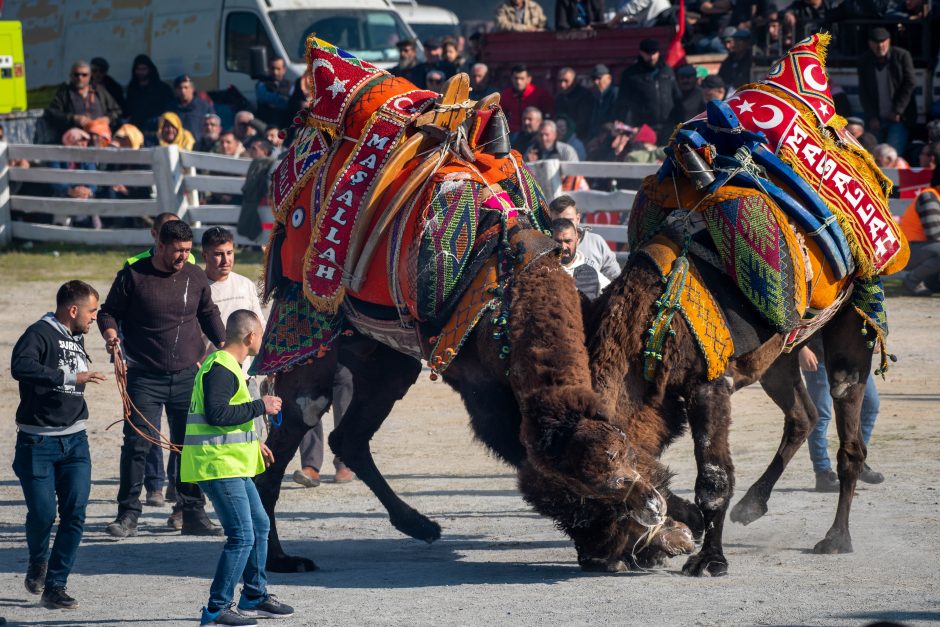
{"x":805,"y":17}
{"x":736,"y":68}
{"x":649,"y":92}
{"x":192,"y":110}
{"x":605,"y":94}
{"x":713,"y":88}
{"x":691,"y":101}
{"x":856,"y":126}
{"x":886,"y":89}
{"x":408,"y":63}
{"x":435,"y":61}
{"x":100,"y":77}
{"x":575,"y":14}
{"x":77,"y":102}
{"x":520,"y":16}
{"x":645,"y":13}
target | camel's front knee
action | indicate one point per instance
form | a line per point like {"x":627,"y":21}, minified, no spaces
{"x":713,"y":487}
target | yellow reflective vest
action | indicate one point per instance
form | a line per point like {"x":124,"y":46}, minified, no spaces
{"x":149,"y":253}
{"x":211,"y":452}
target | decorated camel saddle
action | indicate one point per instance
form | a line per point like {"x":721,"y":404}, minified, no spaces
{"x":769,"y":190}
{"x":399,"y":211}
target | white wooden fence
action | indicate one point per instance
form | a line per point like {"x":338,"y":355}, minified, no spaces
{"x":169,"y":174}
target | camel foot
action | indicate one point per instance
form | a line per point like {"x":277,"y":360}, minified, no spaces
{"x":834,"y":543}
{"x":715,"y":563}
{"x":748,"y":510}
{"x":675,"y":538}
{"x":688,"y":513}
{"x":417,"y":526}
{"x":289,"y":564}
{"x":601,"y":565}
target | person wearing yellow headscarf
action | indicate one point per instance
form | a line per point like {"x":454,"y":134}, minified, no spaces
{"x":170,"y":132}
{"x":129,"y":136}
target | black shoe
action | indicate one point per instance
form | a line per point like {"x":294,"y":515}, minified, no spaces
{"x":155,"y":499}
{"x":124,"y":526}
{"x":57,"y":599}
{"x":227,"y":616}
{"x":266,"y":607}
{"x":871,"y":476}
{"x":170,"y":494}
{"x":827,"y":481}
{"x":200,"y":525}
{"x":36,"y":577}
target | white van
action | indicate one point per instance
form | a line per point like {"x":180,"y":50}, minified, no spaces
{"x":208,"y":39}
{"x":428,"y":22}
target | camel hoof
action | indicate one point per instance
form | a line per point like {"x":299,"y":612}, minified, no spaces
{"x":715,"y":564}
{"x":675,"y":539}
{"x":748,"y":510}
{"x":599,"y":565}
{"x":290,"y":564}
{"x":834,"y":543}
{"x":418,"y":527}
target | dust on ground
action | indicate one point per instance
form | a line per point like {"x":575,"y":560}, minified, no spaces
{"x":498,"y":562}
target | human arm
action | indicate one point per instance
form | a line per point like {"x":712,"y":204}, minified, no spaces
{"x":905,"y":90}
{"x":267,"y":96}
{"x":210,"y":320}
{"x":27,"y":365}
{"x":112,"y":109}
{"x":115,"y":308}
{"x":506,"y":20}
{"x":58,"y":112}
{"x":538,"y":21}
{"x":219,"y":386}
{"x":808,"y":361}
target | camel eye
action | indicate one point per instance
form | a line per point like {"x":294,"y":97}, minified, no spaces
{"x":297,"y":218}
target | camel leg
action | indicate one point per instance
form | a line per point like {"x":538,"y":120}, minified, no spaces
{"x":848,"y":362}
{"x":381,"y":376}
{"x":785,"y":386}
{"x":710,"y":419}
{"x":306,"y":392}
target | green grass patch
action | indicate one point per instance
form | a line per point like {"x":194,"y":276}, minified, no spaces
{"x":63,"y":262}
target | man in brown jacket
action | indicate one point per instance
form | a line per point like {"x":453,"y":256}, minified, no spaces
{"x":520,"y":15}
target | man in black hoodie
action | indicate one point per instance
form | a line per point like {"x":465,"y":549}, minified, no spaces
{"x":52,"y":460}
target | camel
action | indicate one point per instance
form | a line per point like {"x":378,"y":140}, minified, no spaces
{"x":494,"y":338}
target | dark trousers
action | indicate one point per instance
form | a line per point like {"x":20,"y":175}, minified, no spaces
{"x":154,"y":475}
{"x":52,"y":468}
{"x":153,"y":392}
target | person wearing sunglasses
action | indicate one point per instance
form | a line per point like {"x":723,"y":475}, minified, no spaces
{"x":78,"y":102}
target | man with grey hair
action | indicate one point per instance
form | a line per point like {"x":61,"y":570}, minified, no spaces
{"x":480,"y":86}
{"x":547,"y":146}
{"x":78,"y":102}
{"x":211,"y":131}
{"x":531,"y":119}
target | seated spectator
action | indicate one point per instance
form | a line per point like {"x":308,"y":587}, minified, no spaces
{"x":520,"y":15}
{"x":229,"y":145}
{"x":575,"y":14}
{"x":531,"y":120}
{"x":273,"y":92}
{"x":522,"y":93}
{"x":574,"y":100}
{"x":735,"y":70}
{"x":713,"y":88}
{"x":191,"y":109}
{"x":587,"y":279}
{"x":408,"y":66}
{"x":434,"y":59}
{"x":170,"y":132}
{"x":77,"y":138}
{"x":472,"y":50}
{"x":929,"y":156}
{"x":99,"y":133}
{"x":921,"y":224}
{"x":210,"y":131}
{"x":101,"y":78}
{"x":691,"y":101}
{"x":480,"y":86}
{"x":128,"y":137}
{"x":147,"y":96}
{"x":645,"y":13}
{"x":567,"y":133}
{"x":856,"y":126}
{"x":887,"y":158}
{"x":274,"y":135}
{"x":547,"y":145}
{"x":804,"y":17}
{"x":642,"y":147}
{"x":605,"y":97}
{"x":259,"y":147}
{"x":451,"y":54}
{"x":592,"y":246}
{"x":434,"y":81}
{"x":245,"y":126}
{"x":77,"y":102}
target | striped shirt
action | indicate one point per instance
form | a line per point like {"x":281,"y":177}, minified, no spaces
{"x":928,"y":210}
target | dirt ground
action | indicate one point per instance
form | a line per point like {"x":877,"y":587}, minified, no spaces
{"x":498,"y":562}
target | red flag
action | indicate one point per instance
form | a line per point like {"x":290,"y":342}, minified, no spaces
{"x":676,"y":54}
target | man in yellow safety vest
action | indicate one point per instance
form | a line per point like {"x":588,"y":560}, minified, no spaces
{"x":222,"y":452}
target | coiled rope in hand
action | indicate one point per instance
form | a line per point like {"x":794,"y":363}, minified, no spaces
{"x":120,"y":376}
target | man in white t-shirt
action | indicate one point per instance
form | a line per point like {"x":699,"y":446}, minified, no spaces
{"x":587,"y":278}
{"x":592,"y":246}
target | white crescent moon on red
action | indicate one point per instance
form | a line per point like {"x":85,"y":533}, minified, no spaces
{"x":402,"y":99}
{"x":322,"y":63}
{"x":811,"y":80}
{"x":775,"y":119}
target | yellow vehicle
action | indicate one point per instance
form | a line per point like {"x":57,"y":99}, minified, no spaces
{"x":12,"y":68}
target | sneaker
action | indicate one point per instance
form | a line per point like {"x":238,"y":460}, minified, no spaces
{"x":57,"y":599}
{"x":175,"y":521}
{"x":124,"y":526}
{"x":155,"y":499}
{"x":308,"y":477}
{"x":343,"y":475}
{"x":827,"y":481}
{"x":871,"y":476}
{"x":36,"y":577}
{"x":170,"y":494}
{"x":198,"y":524}
{"x":267,"y":606}
{"x":226,"y":616}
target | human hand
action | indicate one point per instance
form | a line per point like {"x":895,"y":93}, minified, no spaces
{"x":272,"y":404}
{"x":808,"y":361}
{"x":89,"y":377}
{"x":110,"y":343}
{"x":119,"y":189}
{"x":266,"y":455}
{"x":81,"y":120}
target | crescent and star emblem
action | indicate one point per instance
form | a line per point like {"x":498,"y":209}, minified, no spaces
{"x":811,"y":80}
{"x":775,"y":119}
{"x":399,"y":103}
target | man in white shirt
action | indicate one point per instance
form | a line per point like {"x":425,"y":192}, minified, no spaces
{"x":588,"y":280}
{"x":592,"y":246}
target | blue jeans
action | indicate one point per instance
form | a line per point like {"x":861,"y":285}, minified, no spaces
{"x":51,"y":468}
{"x":895,"y":134}
{"x":817,"y":383}
{"x":246,"y":526}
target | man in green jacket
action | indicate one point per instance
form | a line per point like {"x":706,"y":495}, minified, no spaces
{"x":222,"y":452}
